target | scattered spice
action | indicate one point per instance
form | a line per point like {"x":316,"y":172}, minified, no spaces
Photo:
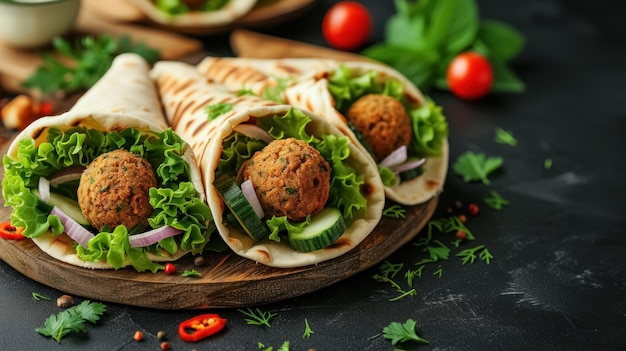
{"x":161,"y":336}
{"x":65,"y":301}
{"x":199,"y":261}
{"x":461,"y":235}
{"x":165,"y":345}
{"x":169,"y":268}
{"x":138,"y":336}
{"x":473,"y":209}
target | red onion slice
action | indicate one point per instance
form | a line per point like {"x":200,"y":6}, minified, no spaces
{"x":395,"y":158}
{"x":65,"y":175}
{"x":411,"y":164}
{"x":73,"y":229}
{"x":44,"y":189}
{"x":248,"y":191}
{"x":254,"y":131}
{"x":152,"y":236}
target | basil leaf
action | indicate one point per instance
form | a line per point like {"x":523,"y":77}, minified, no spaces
{"x":452,"y":25}
{"x":504,"y":79}
{"x":417,"y":65}
{"x":502,"y":41}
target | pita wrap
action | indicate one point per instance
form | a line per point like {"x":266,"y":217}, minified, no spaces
{"x":121,"y":111}
{"x":182,"y":15}
{"x":187,"y":100}
{"x":323,"y":86}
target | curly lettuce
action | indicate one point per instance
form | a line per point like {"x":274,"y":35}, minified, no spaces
{"x":176,"y":202}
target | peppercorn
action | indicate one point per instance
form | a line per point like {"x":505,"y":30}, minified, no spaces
{"x":458,"y":204}
{"x":169,"y":268}
{"x":165,"y":345}
{"x":462,"y":218}
{"x":65,"y":301}
{"x":461,"y":235}
{"x":161,"y":335}
{"x":199,"y":261}
{"x":473,"y":209}
{"x":138,"y":336}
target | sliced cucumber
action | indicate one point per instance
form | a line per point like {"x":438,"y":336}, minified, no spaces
{"x":359,"y":136}
{"x":240,"y":207}
{"x":325,"y":228}
{"x":411,"y":174}
{"x":67,"y":205}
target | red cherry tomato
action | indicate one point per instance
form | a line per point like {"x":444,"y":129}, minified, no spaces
{"x":347,"y":25}
{"x":470,"y":76}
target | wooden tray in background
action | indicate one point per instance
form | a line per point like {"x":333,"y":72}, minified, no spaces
{"x":265,"y":13}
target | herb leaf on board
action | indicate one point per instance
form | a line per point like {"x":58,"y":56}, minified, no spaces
{"x":401,"y":332}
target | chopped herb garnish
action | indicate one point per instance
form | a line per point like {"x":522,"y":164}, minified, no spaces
{"x":505,"y":137}
{"x":216,"y":110}
{"x":258,"y":317}
{"x":283,"y":347}
{"x":395,"y":211}
{"x":469,"y":255}
{"x":389,"y":269}
{"x":547,"y":164}
{"x":307,"y":329}
{"x":192,"y":273}
{"x":275,"y":93}
{"x":72,"y":320}
{"x":476,"y":167}
{"x":438,"y":272}
{"x":242,"y":92}
{"x":495,"y":201}
{"x":89,"y":58}
{"x":40,"y":297}
{"x":402,"y":332}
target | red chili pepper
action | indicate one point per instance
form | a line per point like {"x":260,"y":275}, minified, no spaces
{"x":200,"y":327}
{"x":11,"y":232}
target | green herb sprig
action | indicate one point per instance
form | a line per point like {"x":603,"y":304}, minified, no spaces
{"x":78,"y":65}
{"x":258,"y":317}
{"x":423,"y":37}
{"x":72,"y":320}
{"x":476,"y":167}
{"x":402,"y":332}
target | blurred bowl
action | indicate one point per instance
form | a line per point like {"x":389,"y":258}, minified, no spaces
{"x":29,"y":24}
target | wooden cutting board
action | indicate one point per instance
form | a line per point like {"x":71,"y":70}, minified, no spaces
{"x":17,"y":65}
{"x":228,"y":280}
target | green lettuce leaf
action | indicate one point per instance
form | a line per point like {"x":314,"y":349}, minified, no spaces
{"x":175,"y":201}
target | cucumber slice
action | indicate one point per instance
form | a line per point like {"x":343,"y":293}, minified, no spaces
{"x":361,"y":139}
{"x":325,"y":228}
{"x":67,"y":205}
{"x":411,"y":174}
{"x":240,"y":207}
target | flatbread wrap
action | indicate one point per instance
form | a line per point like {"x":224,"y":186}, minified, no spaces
{"x":108,"y":184}
{"x":403,"y":132}
{"x":194,"y":13}
{"x":310,"y":194}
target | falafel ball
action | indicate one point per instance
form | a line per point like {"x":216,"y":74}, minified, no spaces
{"x":290,"y":178}
{"x":114,"y":190}
{"x":383,"y":122}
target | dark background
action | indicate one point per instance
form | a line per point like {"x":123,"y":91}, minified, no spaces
{"x":557,"y":280}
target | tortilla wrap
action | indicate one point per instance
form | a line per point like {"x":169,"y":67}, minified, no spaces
{"x":185,"y":95}
{"x":231,"y":11}
{"x":123,"y":98}
{"x":306,"y":85}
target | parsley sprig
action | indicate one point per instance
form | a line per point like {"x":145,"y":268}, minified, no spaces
{"x":72,"y":320}
{"x":476,"y":167}
{"x":78,"y":65}
{"x":402,"y":332}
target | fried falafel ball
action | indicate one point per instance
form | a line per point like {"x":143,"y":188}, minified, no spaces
{"x":114,"y":190}
{"x":383,"y":122}
{"x":290,"y":178}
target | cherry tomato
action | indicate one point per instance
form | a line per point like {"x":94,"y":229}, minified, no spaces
{"x":470,"y":76}
{"x":347,"y":25}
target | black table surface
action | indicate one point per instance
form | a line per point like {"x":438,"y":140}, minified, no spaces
{"x":557,"y":280}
